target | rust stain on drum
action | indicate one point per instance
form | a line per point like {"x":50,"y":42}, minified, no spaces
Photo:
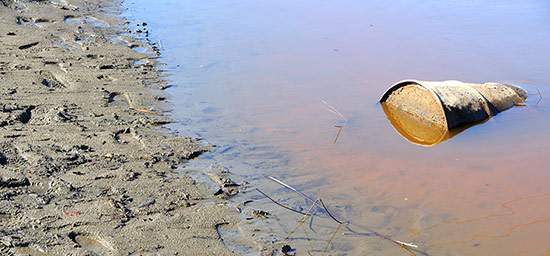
{"x":427,"y":113}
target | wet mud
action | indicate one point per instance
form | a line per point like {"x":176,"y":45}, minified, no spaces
{"x":86,"y":167}
{"x":296,"y":98}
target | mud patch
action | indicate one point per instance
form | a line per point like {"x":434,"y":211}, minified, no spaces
{"x":78,"y":21}
{"x":28,"y":251}
{"x":50,"y":81}
{"x":234,"y":240}
{"x":86,"y":167}
{"x":14,"y":113}
{"x":91,"y":243}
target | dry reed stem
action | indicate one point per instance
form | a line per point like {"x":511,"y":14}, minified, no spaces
{"x":137,"y":137}
{"x":540,"y":96}
{"x":301,"y":224}
{"x":329,"y":214}
{"x":309,"y":240}
{"x":397,"y":242}
{"x":407,"y":249}
{"x":302,"y":221}
{"x":146,"y":111}
{"x":291,"y":188}
{"x":338,"y":135}
{"x":297,"y":227}
{"x":130,"y":104}
{"x":335,"y":111}
{"x":330,"y":240}
{"x":311,"y":208}
{"x":279,"y":204}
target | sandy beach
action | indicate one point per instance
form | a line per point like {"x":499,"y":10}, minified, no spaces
{"x":132,"y":127}
{"x":86,"y":167}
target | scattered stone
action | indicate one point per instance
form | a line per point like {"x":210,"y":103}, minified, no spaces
{"x":13,"y":182}
{"x":288,"y":251}
{"x":149,"y":203}
{"x":27,"y":46}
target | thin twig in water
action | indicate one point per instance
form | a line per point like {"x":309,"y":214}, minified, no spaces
{"x":338,"y":135}
{"x":330,"y":240}
{"x":401,"y":244}
{"x":297,"y":227}
{"x":311,"y":208}
{"x":354,"y":234}
{"x":291,"y":188}
{"x":309,"y":240}
{"x":335,"y":111}
{"x":540,"y":96}
{"x":407,"y":249}
{"x":301,"y":222}
{"x":329,"y":214}
{"x":279,"y":204}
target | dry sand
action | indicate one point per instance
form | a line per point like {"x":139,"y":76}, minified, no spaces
{"x":82,"y":170}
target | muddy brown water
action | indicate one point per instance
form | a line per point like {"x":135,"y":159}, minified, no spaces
{"x":266,"y":81}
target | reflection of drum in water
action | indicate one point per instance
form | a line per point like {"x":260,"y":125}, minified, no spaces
{"x":426,"y":113}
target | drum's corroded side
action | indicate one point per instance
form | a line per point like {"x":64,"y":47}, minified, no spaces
{"x":460,"y":102}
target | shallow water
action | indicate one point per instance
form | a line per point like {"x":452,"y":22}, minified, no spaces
{"x":267,"y":81}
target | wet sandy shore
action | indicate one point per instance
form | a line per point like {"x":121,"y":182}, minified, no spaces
{"x":86,"y":167}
